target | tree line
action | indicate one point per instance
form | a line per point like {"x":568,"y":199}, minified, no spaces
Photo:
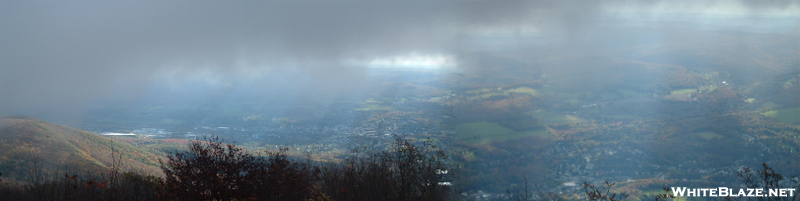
{"x":211,"y":169}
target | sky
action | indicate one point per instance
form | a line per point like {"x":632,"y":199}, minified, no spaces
{"x":69,"y":55}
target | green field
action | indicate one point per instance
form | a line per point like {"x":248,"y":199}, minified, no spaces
{"x":481,"y":129}
{"x":524,"y":90}
{"x":683,"y":91}
{"x":786,"y":115}
{"x":709,"y":135}
{"x":487,"y":95}
{"x":483,"y":132}
{"x":549,"y":118}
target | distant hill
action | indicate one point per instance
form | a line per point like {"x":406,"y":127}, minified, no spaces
{"x":24,"y":140}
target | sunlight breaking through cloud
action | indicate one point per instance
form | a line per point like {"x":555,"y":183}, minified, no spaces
{"x":412,"y":61}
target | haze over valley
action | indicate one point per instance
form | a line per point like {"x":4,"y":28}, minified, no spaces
{"x":644,"y":94}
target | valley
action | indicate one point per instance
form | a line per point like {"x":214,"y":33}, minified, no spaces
{"x":701,"y":130}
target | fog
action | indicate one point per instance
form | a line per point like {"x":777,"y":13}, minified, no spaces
{"x":59,"y":58}
{"x":639,"y":93}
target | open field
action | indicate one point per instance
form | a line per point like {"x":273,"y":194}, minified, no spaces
{"x":550,"y":118}
{"x":786,"y":115}
{"x":683,"y":91}
{"x":709,"y":135}
{"x":523,"y":90}
{"x":483,"y":132}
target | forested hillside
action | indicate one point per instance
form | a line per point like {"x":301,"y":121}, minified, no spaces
{"x":30,"y":144}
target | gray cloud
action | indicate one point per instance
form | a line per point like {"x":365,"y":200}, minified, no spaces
{"x":61,"y":54}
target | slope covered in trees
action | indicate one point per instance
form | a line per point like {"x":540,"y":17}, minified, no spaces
{"x":31,"y":144}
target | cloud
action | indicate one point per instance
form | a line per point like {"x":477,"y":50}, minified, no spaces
{"x":56,"y":54}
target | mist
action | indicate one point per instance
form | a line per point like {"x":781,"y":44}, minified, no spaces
{"x":59,"y":58}
{"x":639,"y":93}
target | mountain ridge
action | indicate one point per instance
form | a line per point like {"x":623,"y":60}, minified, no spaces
{"x":32,"y":144}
